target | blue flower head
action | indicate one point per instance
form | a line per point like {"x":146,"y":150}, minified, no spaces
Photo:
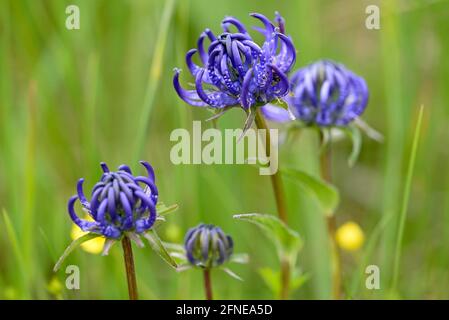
{"x":327,"y":94}
{"x":207,"y":246}
{"x":235,"y":70}
{"x":120,"y":202}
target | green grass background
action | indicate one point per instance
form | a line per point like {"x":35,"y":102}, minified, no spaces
{"x":70,"y":99}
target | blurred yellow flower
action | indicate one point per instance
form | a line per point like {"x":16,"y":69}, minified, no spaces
{"x":94,"y":246}
{"x":350,"y":236}
{"x":55,"y":286}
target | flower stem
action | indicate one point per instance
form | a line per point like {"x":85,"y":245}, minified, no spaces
{"x":276,"y":179}
{"x":130,"y":270}
{"x":326,"y":173}
{"x":207,"y":284}
{"x":279,"y":194}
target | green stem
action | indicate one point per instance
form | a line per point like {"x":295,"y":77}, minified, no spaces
{"x":276,"y":179}
{"x":331,"y":222}
{"x":207,"y":284}
{"x":279,"y":194}
{"x":130,"y":270}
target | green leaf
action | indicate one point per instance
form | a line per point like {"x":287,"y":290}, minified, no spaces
{"x":157,"y":245}
{"x":326,"y":194}
{"x":287,"y":241}
{"x":353,"y":132}
{"x":271,"y":279}
{"x":163,"y":210}
{"x":75,"y":244}
{"x":298,"y":279}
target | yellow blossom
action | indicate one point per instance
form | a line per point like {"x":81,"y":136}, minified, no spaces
{"x":350,"y":236}
{"x":94,"y":246}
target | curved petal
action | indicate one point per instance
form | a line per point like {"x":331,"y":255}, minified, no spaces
{"x":149,"y":183}
{"x":104,"y":167}
{"x":269,"y":27}
{"x":245,"y":89}
{"x":200,"y":45}
{"x":194,"y":69}
{"x":111,"y":204}
{"x":145,"y":224}
{"x":128,"y":222}
{"x":231,"y":20}
{"x":83,"y":224}
{"x":287,"y":58}
{"x":102,"y":211}
{"x":189,"y":96}
{"x":125,"y":168}
{"x":216,"y":99}
{"x":210,"y":35}
{"x":280,"y":21}
{"x":81,"y":195}
{"x":150,"y":170}
{"x":94,"y":202}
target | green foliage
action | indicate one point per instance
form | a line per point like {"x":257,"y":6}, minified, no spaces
{"x":95,"y":86}
{"x":327,"y":196}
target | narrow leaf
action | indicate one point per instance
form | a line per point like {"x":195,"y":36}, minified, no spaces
{"x":163,"y":210}
{"x":75,"y":244}
{"x":232,"y":274}
{"x":355,"y":135}
{"x":157,"y":245}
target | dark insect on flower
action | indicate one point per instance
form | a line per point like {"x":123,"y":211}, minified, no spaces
{"x":207,"y":246}
{"x":327,"y":94}
{"x":120,"y":203}
{"x":235,"y":70}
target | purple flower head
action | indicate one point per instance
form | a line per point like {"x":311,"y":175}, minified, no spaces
{"x":120,"y":202}
{"x":327,"y":94}
{"x":207,"y":246}
{"x":235,"y":70}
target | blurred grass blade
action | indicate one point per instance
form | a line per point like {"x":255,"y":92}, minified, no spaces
{"x":12,"y":235}
{"x":75,"y":244}
{"x":405,"y":199}
{"x":357,"y":279}
{"x":155,"y":75}
{"x":157,"y":245}
{"x":326,"y":194}
{"x":286,"y":240}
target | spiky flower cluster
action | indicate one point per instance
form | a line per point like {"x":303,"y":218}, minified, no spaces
{"x":235,"y":70}
{"x":207,"y":246}
{"x":120,"y":202}
{"x":324,"y":94}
